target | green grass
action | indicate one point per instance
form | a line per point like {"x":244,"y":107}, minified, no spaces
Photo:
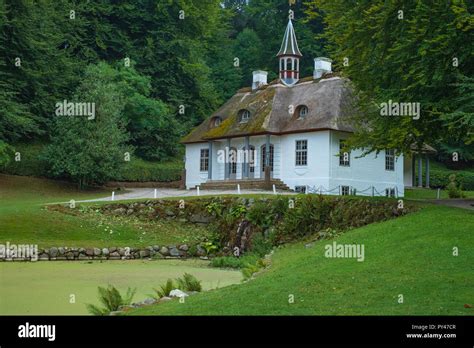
{"x":44,"y":288}
{"x":424,"y":193}
{"x":24,"y":219}
{"x":411,"y":255}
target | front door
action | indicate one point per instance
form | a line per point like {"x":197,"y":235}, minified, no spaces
{"x":263,"y":158}
{"x":233,"y":163}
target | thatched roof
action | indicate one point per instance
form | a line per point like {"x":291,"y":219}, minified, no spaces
{"x":325,"y":98}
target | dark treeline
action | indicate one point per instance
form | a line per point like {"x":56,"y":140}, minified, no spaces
{"x":185,"y":52}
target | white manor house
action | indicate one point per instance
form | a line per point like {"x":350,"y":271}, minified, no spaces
{"x":289,"y":133}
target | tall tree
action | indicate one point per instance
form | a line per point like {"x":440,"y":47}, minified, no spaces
{"x":406,"y":52}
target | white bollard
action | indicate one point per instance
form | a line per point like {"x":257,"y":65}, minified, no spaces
{"x":197,"y":188}
{"x":113,"y":195}
{"x":274,"y":189}
{"x":238,"y":189}
{"x":155,"y":193}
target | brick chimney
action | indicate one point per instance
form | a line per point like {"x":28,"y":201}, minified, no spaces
{"x":259,"y":79}
{"x":322,"y":66}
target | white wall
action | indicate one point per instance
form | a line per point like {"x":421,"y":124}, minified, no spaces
{"x":364,"y":172}
{"x":322,"y":169}
{"x":193,"y":174}
{"x":316,"y":173}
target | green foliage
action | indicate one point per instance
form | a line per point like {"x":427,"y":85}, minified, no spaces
{"x":31,"y":161}
{"x":189,"y":283}
{"x":260,"y":245}
{"x":140,"y":170}
{"x":234,"y":262}
{"x":6,"y":154}
{"x":454,"y":190}
{"x":251,"y":268}
{"x":418,"y":58}
{"x":210,"y":247}
{"x":111,"y":300}
{"x":89,"y":151}
{"x":165,"y":289}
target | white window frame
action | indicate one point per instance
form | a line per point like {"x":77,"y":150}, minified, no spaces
{"x":301,"y":154}
{"x":342,"y":162}
{"x":390,"y":160}
{"x":204,"y":160}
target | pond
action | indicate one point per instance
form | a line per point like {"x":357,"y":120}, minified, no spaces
{"x":46,"y":288}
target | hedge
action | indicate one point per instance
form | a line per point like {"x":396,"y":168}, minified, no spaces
{"x":138,"y":170}
{"x":439,"y":177}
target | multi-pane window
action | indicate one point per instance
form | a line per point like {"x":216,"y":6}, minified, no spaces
{"x":389,"y":192}
{"x":389,"y":159}
{"x":301,"y":152}
{"x":300,"y":189}
{"x":204,"y":161}
{"x":344,"y":156}
{"x":345,"y":190}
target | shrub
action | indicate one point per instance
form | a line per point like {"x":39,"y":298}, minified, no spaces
{"x":234,"y":262}
{"x":165,"y":289}
{"x":112,"y":300}
{"x":260,"y":245}
{"x":189,"y":283}
{"x":140,"y":170}
{"x":31,"y":161}
{"x":454,"y":191}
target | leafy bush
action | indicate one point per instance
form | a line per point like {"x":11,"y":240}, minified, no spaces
{"x":31,"y":162}
{"x":234,"y":262}
{"x":112,"y":300}
{"x":189,"y":283}
{"x":165,"y":289}
{"x":251,"y":268}
{"x":454,"y":191}
{"x":260,"y":245}
{"x":139,"y":170}
{"x":440,"y":178}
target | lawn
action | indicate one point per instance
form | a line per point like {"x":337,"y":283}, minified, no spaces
{"x":24,"y":219}
{"x":424,"y":193}
{"x":45,"y":288}
{"x":410,"y":256}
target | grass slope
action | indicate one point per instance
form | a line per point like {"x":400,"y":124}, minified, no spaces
{"x":411,"y":256}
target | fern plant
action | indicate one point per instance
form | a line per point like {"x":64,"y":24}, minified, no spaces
{"x":111,"y":299}
{"x":165,"y":289}
{"x":189,"y":283}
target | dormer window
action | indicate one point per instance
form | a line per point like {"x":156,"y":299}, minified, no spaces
{"x":302,"y":111}
{"x":216,"y":121}
{"x":244,"y":116}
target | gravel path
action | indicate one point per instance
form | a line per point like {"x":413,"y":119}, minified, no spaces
{"x":140,"y":193}
{"x":458,"y":203}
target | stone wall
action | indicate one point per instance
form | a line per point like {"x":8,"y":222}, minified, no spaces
{"x":117,"y":253}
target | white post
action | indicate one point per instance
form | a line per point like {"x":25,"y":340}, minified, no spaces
{"x":438,"y":193}
{"x":238,"y":189}
{"x":154,"y":193}
{"x":306,"y":190}
{"x":113,"y":195}
{"x":274,"y":190}
{"x":197,"y":188}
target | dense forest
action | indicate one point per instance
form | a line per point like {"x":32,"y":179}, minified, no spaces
{"x":155,"y":69}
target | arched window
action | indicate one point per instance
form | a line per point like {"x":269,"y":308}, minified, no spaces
{"x":288,"y":64}
{"x":216,"y":121}
{"x":302,"y":111}
{"x":244,"y":115}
